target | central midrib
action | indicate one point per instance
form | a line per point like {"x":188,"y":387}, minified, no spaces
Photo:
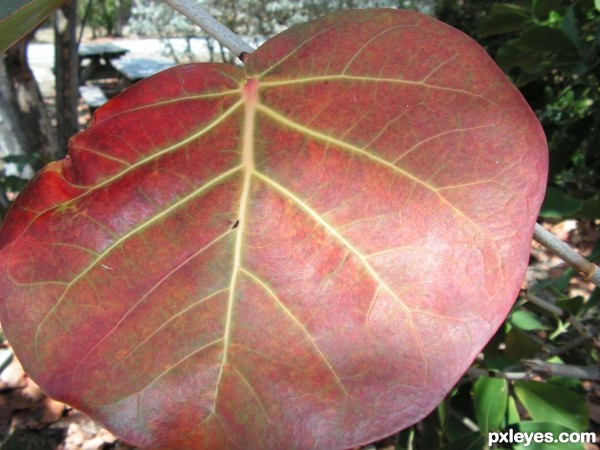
{"x":250,"y":97}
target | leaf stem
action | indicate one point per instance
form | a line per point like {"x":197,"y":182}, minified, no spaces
{"x":198,"y":15}
{"x":564,"y":315}
{"x":588,"y":270}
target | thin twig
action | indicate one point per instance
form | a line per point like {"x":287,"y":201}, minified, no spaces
{"x":476,"y":372}
{"x":563,"y":370}
{"x":579,"y":340}
{"x":228,"y":39}
{"x":538,"y":367}
{"x":588,"y":270}
{"x":464,"y":420}
{"x":564,"y":315}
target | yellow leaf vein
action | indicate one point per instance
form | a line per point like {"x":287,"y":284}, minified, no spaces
{"x":207,"y":186}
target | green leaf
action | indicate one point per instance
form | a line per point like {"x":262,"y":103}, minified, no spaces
{"x":590,"y":209}
{"x":491,"y":399}
{"x":509,"y":8}
{"x":18,"y":17}
{"x":526,"y":321}
{"x":573,"y":305}
{"x":510,"y":55}
{"x":503,"y":23}
{"x":512,"y":413}
{"x":550,"y":403}
{"x":593,"y":300}
{"x":597,"y":4}
{"x":548,"y":439}
{"x":520,"y":345}
{"x":13,"y":183}
{"x":571,"y":28}
{"x":557,"y":204}
{"x":443,"y":412}
{"x":455,"y":429}
{"x":573,"y":384}
{"x":430,"y":435}
{"x":493,"y":357}
{"x":541,"y":9}
{"x":546,"y":39}
{"x":406,"y":439}
{"x":471,"y":441}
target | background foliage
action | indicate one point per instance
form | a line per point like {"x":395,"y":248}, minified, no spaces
{"x":103,"y":16}
{"x":550,"y":50}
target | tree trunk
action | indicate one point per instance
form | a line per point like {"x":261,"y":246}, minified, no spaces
{"x":118,"y":18}
{"x":25,"y":126}
{"x":67,"y":64}
{"x":210,"y":45}
{"x":12,"y":134}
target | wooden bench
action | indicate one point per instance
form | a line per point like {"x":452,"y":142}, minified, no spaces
{"x":136,"y":69}
{"x":92,"y":96}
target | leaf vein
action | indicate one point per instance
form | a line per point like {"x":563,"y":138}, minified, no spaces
{"x":352,"y":148}
{"x":312,"y":213}
{"x":253,"y":392}
{"x":173,"y":366}
{"x":371,"y":40}
{"x":341,"y":77}
{"x":123,"y":239}
{"x":148,"y":293}
{"x":291,"y":315}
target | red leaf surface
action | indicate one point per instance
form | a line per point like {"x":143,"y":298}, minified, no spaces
{"x":304,"y":254}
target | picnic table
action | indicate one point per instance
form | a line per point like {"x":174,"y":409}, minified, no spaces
{"x":104,"y":71}
{"x":136,"y":69}
{"x":96,"y":61}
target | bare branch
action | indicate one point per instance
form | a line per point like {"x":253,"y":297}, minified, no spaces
{"x":565,"y":315}
{"x":563,"y":370}
{"x":464,"y":420}
{"x":573,"y":343}
{"x":540,"y":368}
{"x":208,"y":23}
{"x":475,"y":372}
{"x":588,"y":270}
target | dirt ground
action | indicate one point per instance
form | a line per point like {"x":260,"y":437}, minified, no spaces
{"x":30,"y":420}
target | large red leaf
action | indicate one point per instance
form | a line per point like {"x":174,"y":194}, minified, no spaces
{"x":303,"y":255}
